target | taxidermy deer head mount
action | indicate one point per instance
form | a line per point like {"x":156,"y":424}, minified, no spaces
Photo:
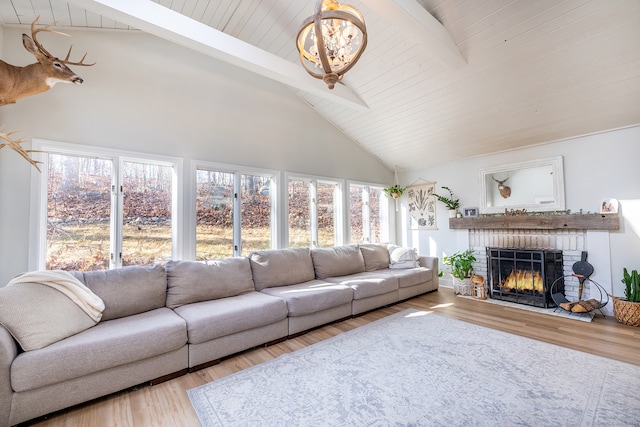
{"x":19,"y":82}
{"x":503,"y":189}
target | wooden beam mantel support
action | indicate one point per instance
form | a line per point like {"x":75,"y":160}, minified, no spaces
{"x":163,"y":22}
{"x":538,"y":222}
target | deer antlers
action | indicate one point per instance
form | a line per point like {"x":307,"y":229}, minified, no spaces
{"x":14,"y":144}
{"x":47,"y":28}
{"x":18,"y":82}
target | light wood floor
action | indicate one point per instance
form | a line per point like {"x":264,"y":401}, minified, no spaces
{"x":167,"y":404}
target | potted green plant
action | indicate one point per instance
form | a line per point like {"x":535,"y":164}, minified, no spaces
{"x":461,"y":268}
{"x":451,"y":202}
{"x":394,"y":191}
{"x":627,"y":310}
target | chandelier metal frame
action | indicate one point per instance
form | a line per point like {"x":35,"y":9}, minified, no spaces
{"x":332,"y":66}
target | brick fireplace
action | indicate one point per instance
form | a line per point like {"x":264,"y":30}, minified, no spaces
{"x":571,"y":233}
{"x":570,"y":242}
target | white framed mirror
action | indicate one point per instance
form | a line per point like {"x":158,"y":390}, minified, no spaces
{"x":535,"y":185}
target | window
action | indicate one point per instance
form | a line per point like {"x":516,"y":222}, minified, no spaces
{"x":103,"y":210}
{"x":95,"y":208}
{"x":314,"y":207}
{"x":214,"y":214}
{"x":79,"y":211}
{"x":368,"y":214}
{"x":299,"y":213}
{"x":234,"y":214}
{"x":146,"y":193}
{"x":256,"y":213}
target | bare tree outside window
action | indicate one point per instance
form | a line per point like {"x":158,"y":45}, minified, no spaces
{"x":214,"y":214}
{"x":255,"y":213}
{"x":78,"y":213}
{"x":146,"y":227}
{"x":299,"y":215}
{"x":367,"y":214}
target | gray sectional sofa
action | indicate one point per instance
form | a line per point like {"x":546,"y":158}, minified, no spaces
{"x":162,"y":321}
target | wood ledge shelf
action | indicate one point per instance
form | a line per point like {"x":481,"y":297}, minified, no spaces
{"x":538,"y":222}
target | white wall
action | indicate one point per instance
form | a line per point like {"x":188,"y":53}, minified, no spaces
{"x":595,"y":167}
{"x":149,"y":95}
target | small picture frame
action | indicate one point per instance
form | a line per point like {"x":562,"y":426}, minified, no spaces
{"x":470,"y":212}
{"x":609,"y":206}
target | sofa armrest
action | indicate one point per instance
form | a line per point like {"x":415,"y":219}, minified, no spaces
{"x":430,"y":262}
{"x":8,"y":352}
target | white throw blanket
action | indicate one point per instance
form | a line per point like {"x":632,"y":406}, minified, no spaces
{"x":64,"y":282}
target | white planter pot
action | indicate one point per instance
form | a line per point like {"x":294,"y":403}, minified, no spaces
{"x":462,"y":286}
{"x":452,"y":213}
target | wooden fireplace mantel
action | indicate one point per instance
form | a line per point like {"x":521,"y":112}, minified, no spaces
{"x":539,"y":222}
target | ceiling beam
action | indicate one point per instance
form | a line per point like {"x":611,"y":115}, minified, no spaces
{"x":163,"y":22}
{"x":409,"y":16}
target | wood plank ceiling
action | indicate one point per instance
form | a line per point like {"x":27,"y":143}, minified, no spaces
{"x":534,"y":71}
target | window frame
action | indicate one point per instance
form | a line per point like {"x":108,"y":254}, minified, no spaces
{"x":237,"y":172}
{"x":184,"y":199}
{"x":38,"y":198}
{"x":339,"y":212}
{"x":386,"y":227}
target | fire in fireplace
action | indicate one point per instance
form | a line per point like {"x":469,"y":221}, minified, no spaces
{"x":524,"y":276}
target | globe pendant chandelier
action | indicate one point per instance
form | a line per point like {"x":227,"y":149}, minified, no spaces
{"x":331,"y":41}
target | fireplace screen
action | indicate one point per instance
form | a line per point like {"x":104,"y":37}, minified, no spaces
{"x":524,"y":276}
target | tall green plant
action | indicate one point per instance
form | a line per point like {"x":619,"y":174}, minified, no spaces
{"x":450,"y":202}
{"x":461,"y":264}
{"x":632,"y":285}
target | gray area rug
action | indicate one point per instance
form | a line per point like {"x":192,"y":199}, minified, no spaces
{"x":416,"y":368}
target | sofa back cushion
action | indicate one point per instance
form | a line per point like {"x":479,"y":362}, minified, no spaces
{"x":337,"y":261}
{"x":191,"y":281}
{"x":376,"y":256}
{"x":127,"y":290}
{"x":281,"y":267}
{"x":38,"y":315}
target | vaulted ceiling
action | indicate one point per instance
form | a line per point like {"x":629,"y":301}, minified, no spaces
{"x":440,"y":80}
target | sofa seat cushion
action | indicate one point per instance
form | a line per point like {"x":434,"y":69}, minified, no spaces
{"x":412,"y":276}
{"x":106,"y":345}
{"x":367,"y":284}
{"x":127,"y":290}
{"x":337,"y":261}
{"x":281,"y":267}
{"x":191,"y":281}
{"x":213,"y":319}
{"x":312,"y":296}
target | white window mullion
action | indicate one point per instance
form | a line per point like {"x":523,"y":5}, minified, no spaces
{"x":37,"y":258}
{"x":178,"y":218}
{"x":313,"y":212}
{"x":237,"y":220}
{"x":338,"y":217}
{"x":366,"y":215}
{"x":116,"y":214}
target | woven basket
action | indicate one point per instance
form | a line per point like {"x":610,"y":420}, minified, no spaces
{"x":626,"y":312}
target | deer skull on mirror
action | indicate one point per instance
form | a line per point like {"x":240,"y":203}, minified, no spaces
{"x":505,"y":191}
